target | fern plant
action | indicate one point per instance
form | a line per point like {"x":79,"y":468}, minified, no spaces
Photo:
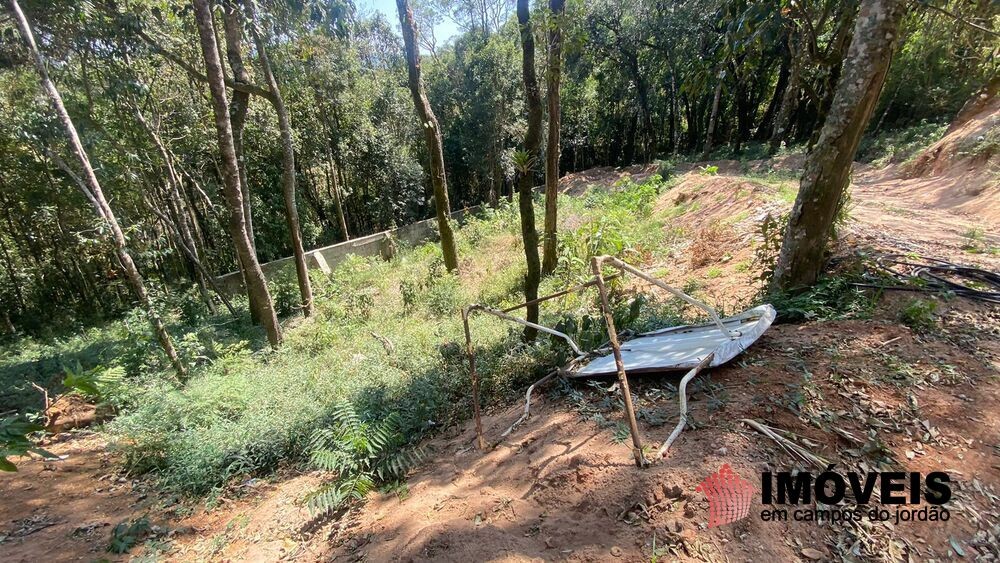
{"x":363,"y":455}
{"x":97,"y":383}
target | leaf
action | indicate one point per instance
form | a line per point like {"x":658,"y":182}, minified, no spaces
{"x":810,"y":553}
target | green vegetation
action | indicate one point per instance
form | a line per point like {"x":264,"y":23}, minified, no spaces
{"x":14,"y":441}
{"x":919,"y":314}
{"x":361,"y":454}
{"x":386,"y":339}
{"x":898,"y":146}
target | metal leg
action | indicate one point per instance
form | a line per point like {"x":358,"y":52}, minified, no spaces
{"x":640,"y":459}
{"x":480,"y":442}
{"x":527,"y":402}
{"x":682,"y":393}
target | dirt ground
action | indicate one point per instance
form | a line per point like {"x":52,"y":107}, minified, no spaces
{"x":864,"y":394}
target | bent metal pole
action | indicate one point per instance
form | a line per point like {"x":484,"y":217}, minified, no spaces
{"x":480,"y":443}
{"x":640,"y":459}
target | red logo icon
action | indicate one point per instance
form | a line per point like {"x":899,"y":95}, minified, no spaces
{"x":729,"y":496}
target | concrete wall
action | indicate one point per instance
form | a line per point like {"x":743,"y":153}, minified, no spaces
{"x":327,"y":257}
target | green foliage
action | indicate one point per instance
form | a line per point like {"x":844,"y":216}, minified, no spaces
{"x":832,"y":297}
{"x":614,"y":227}
{"x":250,"y":409}
{"x":899,"y":146}
{"x":666,"y":169}
{"x":362,"y":455}
{"x":14,"y":441}
{"x":709,"y":170}
{"x":127,"y":535}
{"x":97,"y":383}
{"x":919,"y":314}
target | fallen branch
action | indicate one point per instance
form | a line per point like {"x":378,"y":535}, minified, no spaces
{"x":789,"y":446}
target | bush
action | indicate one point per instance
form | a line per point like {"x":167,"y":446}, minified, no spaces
{"x":919,"y":314}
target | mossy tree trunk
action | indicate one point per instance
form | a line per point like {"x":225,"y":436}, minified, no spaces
{"x":530,"y":155}
{"x":828,"y":167}
{"x":432,"y":135}
{"x":256,"y":285}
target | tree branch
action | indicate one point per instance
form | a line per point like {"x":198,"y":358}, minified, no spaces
{"x":240,"y":86}
{"x":956,"y":17}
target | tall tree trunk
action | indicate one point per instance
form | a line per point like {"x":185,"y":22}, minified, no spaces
{"x":649,"y":134}
{"x":828,"y":168}
{"x":713,"y":117}
{"x":239,"y":107}
{"x":789,"y":99}
{"x":766,"y":126}
{"x":96,"y":195}
{"x":558,"y":8}
{"x":255,"y":282}
{"x":432,"y":135}
{"x":287,"y":168}
{"x":525,"y":180}
{"x":333,"y":184}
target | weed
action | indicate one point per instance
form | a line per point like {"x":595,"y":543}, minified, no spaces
{"x":709,"y":170}
{"x":832,"y":297}
{"x":666,"y":169}
{"x":362,"y":454}
{"x":128,"y":534}
{"x":919,"y":314}
{"x":14,"y":441}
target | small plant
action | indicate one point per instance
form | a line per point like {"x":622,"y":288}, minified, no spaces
{"x":714,"y":272}
{"x":919,"y":314}
{"x":975,"y":241}
{"x":127,"y":535}
{"x":14,"y":441}
{"x":444,"y":295}
{"x":709,"y":170}
{"x":363,"y":454}
{"x":97,"y":383}
{"x":666,"y":169}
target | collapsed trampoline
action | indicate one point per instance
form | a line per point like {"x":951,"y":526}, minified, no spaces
{"x":687,"y":347}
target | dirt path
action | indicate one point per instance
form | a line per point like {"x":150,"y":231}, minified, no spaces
{"x":562,"y":487}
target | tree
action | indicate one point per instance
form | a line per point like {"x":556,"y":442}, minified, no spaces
{"x":827,"y":169}
{"x":432,"y":135}
{"x":527,"y":159}
{"x":91,"y":187}
{"x":254,"y":276}
{"x":287,"y":168}
{"x":558,"y":8}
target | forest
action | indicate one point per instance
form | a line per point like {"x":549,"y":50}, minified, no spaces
{"x":176,"y":175}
